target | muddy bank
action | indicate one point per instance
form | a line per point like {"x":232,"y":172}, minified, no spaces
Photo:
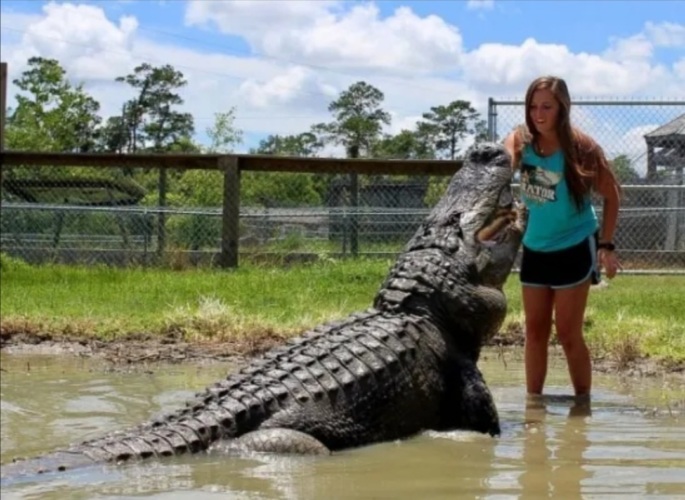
{"x":142,"y":352}
{"x":138,"y":349}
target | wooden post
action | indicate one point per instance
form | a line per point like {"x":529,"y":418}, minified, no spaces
{"x":353,"y":152}
{"x":354,"y":219}
{"x":161,"y":216}
{"x":3,"y":113}
{"x":228,"y":258}
{"x":3,"y":103}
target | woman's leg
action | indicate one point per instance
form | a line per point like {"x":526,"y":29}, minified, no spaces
{"x":537,"y":307}
{"x":569,"y":316}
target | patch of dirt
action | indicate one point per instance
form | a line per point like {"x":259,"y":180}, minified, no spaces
{"x":142,"y":350}
{"x":626,"y":363}
{"x":138,"y":349}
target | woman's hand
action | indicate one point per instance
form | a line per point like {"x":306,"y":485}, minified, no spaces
{"x":609,"y":261}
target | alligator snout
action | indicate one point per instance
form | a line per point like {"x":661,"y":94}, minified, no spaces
{"x":487,"y":153}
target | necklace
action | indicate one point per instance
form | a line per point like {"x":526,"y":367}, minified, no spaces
{"x":541,"y":148}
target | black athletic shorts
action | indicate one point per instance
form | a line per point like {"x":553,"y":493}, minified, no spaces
{"x":562,"y":268}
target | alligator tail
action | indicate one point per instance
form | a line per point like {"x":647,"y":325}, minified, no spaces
{"x":182,"y":433}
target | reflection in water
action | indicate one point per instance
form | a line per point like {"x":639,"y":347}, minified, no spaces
{"x":549,"y":448}
{"x":553,"y":456}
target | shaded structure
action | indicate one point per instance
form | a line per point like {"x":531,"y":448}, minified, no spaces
{"x":666,"y":149}
{"x":62,"y":196}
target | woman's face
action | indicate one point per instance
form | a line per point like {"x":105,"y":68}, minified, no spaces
{"x":544,"y":110}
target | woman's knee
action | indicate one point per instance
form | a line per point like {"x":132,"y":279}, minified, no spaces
{"x":538,"y":332}
{"x":571,"y":340}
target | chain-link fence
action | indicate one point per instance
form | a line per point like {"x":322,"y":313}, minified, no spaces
{"x":189,"y":210}
{"x":645,"y":143}
{"x":148,"y":212}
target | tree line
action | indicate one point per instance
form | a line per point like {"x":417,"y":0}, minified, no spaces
{"x":52,"y":114}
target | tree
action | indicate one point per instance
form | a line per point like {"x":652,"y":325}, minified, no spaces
{"x":113,"y":136}
{"x":52,"y":114}
{"x":152,"y":122}
{"x":150,"y":119}
{"x":407,"y":145}
{"x":625,"y":173}
{"x":358,"y":121}
{"x":203,"y":188}
{"x":285,"y":188}
{"x":448,"y":125}
{"x":223,"y":134}
{"x":480,"y":128}
{"x":305,"y":144}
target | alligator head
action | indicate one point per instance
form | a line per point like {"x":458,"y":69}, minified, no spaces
{"x":454,"y":267}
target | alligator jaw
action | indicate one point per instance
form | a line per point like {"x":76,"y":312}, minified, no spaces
{"x":495,"y":228}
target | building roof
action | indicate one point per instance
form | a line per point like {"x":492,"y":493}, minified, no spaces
{"x":675,"y":127}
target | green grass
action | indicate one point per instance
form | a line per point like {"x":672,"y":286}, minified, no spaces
{"x":106,"y":301}
{"x":634,"y":316}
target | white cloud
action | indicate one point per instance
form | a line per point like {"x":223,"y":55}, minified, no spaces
{"x":320,"y":34}
{"x":296,"y":85}
{"x":679,"y":69}
{"x":635,"y":48}
{"x":480,"y":4}
{"x":91,"y":46}
{"x":666,"y":34}
{"x":503,"y":66}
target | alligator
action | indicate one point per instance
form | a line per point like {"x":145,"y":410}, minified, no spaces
{"x":405,"y":365}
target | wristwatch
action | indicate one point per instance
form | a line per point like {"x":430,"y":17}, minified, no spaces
{"x":607,"y":245}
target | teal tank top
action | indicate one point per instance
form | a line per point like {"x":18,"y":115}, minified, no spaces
{"x":554,"y":220}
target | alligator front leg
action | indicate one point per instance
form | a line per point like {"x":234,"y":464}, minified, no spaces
{"x":277,"y":441}
{"x":469,"y":404}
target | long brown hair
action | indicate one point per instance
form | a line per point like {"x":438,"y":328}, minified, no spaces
{"x":583,"y":156}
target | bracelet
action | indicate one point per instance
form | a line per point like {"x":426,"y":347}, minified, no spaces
{"x":607,"y":245}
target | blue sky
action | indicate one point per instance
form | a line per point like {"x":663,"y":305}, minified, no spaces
{"x":280,"y":63}
{"x":582,"y":25}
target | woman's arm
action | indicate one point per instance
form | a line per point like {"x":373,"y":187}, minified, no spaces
{"x":512,"y":143}
{"x":609,"y":189}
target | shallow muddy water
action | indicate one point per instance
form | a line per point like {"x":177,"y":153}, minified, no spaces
{"x":630,"y":445}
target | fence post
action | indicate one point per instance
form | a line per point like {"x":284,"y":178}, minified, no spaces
{"x":230,"y":219}
{"x":354,"y":219}
{"x":673,"y":217}
{"x":491,"y":119}
{"x":353,"y":152}
{"x":3,"y":113}
{"x":161,"y":215}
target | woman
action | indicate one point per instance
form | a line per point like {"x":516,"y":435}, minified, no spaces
{"x":563,"y":247}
